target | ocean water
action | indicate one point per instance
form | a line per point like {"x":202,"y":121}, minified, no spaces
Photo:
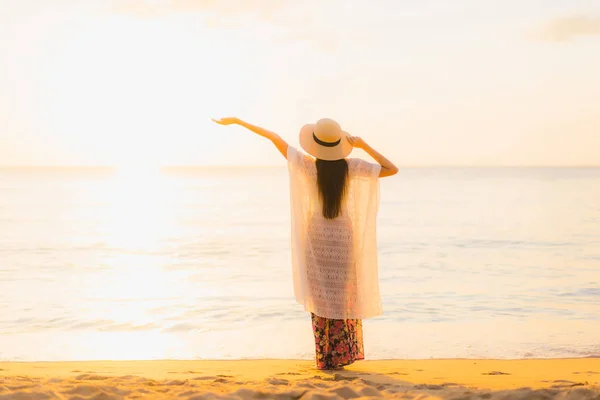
{"x":195,"y":264}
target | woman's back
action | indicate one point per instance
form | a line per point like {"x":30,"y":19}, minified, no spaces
{"x":335,"y":262}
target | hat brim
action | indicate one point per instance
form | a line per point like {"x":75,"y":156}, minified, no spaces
{"x":342,"y":150}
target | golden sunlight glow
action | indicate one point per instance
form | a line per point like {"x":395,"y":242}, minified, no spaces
{"x":138,"y":84}
{"x":141,"y":211}
{"x":127,"y":93}
{"x":136,"y":219}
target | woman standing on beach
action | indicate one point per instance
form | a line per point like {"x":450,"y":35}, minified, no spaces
{"x":334,"y":203}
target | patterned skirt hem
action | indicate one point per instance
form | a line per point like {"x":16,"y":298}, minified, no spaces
{"x":339,"y":365}
{"x":338,"y":342}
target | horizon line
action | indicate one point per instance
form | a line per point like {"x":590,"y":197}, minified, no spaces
{"x":283,"y":166}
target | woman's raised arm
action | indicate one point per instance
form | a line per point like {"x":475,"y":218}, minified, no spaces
{"x":387,"y":168}
{"x":281,"y":144}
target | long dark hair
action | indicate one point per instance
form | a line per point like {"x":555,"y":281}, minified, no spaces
{"x":331,"y":183}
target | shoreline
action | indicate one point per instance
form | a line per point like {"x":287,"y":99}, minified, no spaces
{"x":571,"y":378}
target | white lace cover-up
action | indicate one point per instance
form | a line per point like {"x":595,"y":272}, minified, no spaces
{"x":334,"y":262}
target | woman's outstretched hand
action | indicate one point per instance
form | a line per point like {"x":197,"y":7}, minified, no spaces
{"x":281,"y":145}
{"x":227,"y":121}
{"x":357,"y":142}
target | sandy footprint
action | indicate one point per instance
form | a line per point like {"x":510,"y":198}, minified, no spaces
{"x":275,"y":381}
{"x":84,"y":390}
{"x":90,"y":377}
{"x":204,"y":378}
{"x":426,"y":386}
{"x":184,"y":372}
{"x":175,"y":382}
{"x":561,"y":383}
{"x":344,"y":392}
{"x":305,"y":385}
{"x":338,"y":377}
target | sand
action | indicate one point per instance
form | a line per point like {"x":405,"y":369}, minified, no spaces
{"x":288,"y":379}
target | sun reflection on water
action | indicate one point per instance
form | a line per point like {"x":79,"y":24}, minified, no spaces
{"x":140,"y":210}
{"x":137,"y":218}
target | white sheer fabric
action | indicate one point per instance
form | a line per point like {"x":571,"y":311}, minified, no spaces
{"x":334,"y":262}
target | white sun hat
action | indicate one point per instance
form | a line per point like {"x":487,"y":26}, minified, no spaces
{"x":325,"y":140}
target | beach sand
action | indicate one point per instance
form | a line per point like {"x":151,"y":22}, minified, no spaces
{"x":289,"y":379}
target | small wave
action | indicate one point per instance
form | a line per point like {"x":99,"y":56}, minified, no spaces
{"x":583,"y":292}
{"x":184,"y":327}
{"x":511,"y":243}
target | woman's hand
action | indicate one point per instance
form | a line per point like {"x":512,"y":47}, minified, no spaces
{"x":387,"y":168}
{"x":227,"y":121}
{"x":357,"y":142}
{"x":281,"y":145}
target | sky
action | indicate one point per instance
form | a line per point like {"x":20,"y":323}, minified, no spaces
{"x":425,"y":82}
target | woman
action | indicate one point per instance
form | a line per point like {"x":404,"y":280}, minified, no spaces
{"x":334,"y":203}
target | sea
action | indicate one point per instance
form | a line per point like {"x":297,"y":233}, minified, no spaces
{"x":194,"y":263}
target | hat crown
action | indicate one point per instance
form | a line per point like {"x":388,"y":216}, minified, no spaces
{"x":325,"y":140}
{"x":328,"y":130}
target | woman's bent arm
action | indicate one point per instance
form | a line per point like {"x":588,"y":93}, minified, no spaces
{"x":387,"y":168}
{"x":281,"y":144}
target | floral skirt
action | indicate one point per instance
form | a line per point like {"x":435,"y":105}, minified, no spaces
{"x":338,"y":342}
